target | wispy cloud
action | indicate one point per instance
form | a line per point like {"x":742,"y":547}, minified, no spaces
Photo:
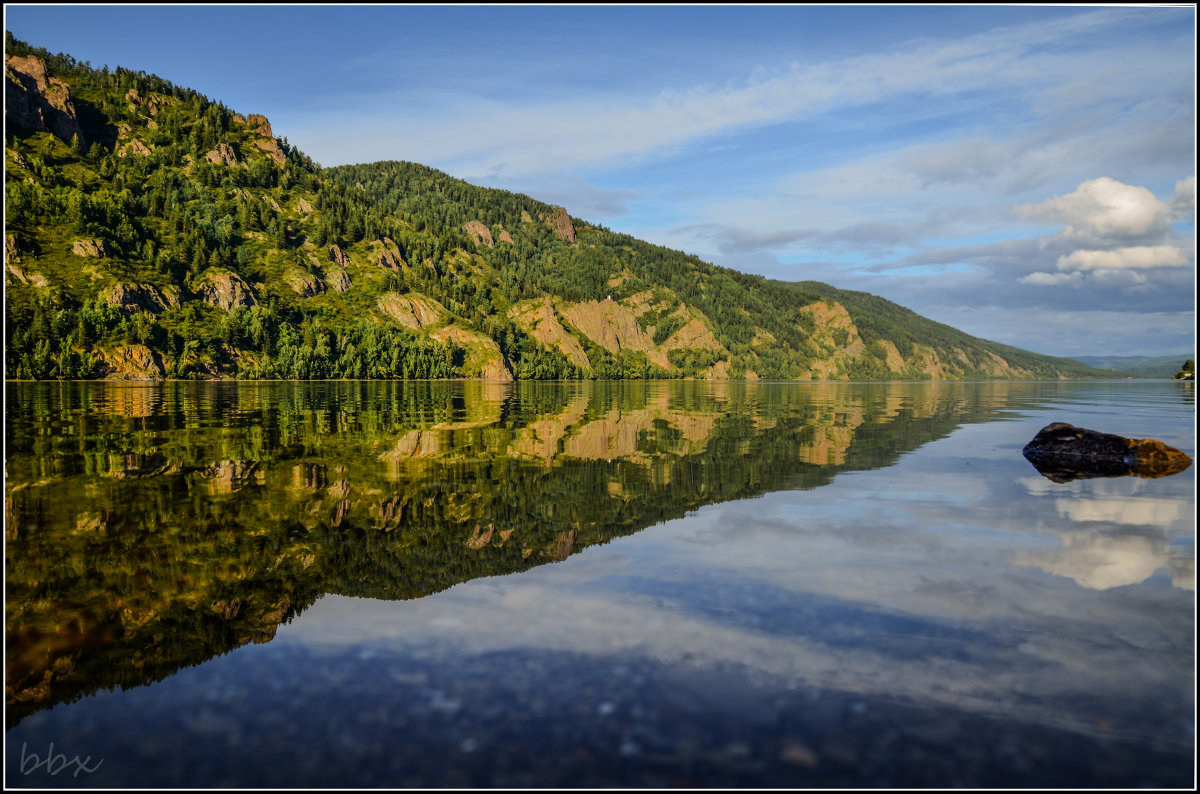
{"x":479,"y":132}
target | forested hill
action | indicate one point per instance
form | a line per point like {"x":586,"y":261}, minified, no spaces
{"x":151,"y":232}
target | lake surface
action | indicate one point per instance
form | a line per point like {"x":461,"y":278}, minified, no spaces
{"x":592,"y":585}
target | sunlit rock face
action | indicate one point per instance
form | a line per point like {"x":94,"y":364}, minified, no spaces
{"x":1063,"y":452}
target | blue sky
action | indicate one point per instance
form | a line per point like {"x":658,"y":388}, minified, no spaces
{"x":1026,"y":174}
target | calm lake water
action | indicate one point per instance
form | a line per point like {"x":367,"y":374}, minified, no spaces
{"x":592,"y":585}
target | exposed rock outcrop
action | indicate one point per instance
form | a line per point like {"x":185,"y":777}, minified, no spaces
{"x":224,"y":153}
{"x":484,"y":359}
{"x":231,"y":476}
{"x":337,"y":278}
{"x":615,"y":328}
{"x":337,"y":257}
{"x":258,"y":123}
{"x":834,"y":339}
{"x":226,"y":290}
{"x":266,"y":142}
{"x":694,"y":335}
{"x":12,"y":249}
{"x":411,"y":310}
{"x":387,"y":254}
{"x":132,"y":298}
{"x":560,"y":223}
{"x":150,"y":104}
{"x":32,"y":279}
{"x":891,"y":355}
{"x":130,"y":362}
{"x":481,"y":233}
{"x":304,"y":283}
{"x":94,"y":248}
{"x":1063,"y":452}
{"x":34,"y":100}
{"x":271,"y":147}
{"x":136,"y":147}
{"x":538,"y":319}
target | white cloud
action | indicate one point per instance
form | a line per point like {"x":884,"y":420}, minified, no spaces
{"x":1102,"y":216}
{"x":1142,"y":256}
{"x":1106,"y":208}
{"x":1040,"y":279}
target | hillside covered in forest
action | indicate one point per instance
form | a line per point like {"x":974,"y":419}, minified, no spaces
{"x":151,"y":232}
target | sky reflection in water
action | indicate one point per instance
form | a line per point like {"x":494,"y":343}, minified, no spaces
{"x":952,"y":584}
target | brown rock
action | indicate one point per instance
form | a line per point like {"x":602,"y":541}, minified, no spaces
{"x":387,"y":254}
{"x":1062,"y":452}
{"x":303,"y":283}
{"x":231,"y":476}
{"x":132,"y":298}
{"x":35,"y":100}
{"x":337,"y":278}
{"x":339,"y":258}
{"x":481,"y":537}
{"x":227,"y":609}
{"x":411,"y":310}
{"x":480,"y":232}
{"x":131,"y":362}
{"x":560,"y":223}
{"x":33,"y":279}
{"x":226,"y":290}
{"x":12,"y":249}
{"x":615,"y":328}
{"x":538,"y":319}
{"x":563,"y":543}
{"x":260,"y":124}
{"x":484,"y":359}
{"x":271,"y":147}
{"x":138,"y":148}
{"x":222,"y":154}
{"x":692,"y":336}
{"x":89,"y":248}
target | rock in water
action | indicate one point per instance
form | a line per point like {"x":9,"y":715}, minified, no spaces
{"x":1063,"y":452}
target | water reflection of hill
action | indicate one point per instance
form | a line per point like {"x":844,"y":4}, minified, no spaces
{"x":150,"y":528}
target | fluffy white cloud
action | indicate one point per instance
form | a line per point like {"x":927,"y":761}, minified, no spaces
{"x":1102,"y":217}
{"x":1141,"y":256}
{"x":1106,"y":208}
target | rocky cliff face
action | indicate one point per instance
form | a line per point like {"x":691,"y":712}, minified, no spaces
{"x":36,"y":101}
{"x":539,"y":319}
{"x":560,"y":223}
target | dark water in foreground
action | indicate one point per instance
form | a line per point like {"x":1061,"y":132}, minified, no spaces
{"x":592,"y":585}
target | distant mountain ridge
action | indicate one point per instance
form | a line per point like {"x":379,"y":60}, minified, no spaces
{"x":1144,"y":366}
{"x":153,"y":233}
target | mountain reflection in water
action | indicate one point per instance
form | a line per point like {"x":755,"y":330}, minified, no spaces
{"x":151,"y":527}
{"x":884,"y":611}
